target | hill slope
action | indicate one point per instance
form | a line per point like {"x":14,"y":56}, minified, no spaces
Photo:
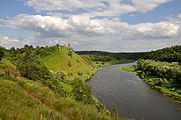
{"x":170,"y":54}
{"x":28,"y":90}
{"x":67,"y":61}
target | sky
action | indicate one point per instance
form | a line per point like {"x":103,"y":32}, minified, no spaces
{"x":106,"y":25}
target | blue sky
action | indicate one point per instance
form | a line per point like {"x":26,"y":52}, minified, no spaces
{"x":111,"y":25}
{"x":160,"y":13}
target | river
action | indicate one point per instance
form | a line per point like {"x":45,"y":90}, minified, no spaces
{"x":132,"y":97}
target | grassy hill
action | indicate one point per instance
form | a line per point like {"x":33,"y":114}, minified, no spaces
{"x":67,"y":61}
{"x":39,"y":84}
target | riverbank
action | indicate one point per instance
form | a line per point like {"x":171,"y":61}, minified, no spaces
{"x":160,"y":84}
{"x":130,"y":96}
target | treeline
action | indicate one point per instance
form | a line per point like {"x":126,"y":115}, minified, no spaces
{"x":108,"y":56}
{"x":171,"y":54}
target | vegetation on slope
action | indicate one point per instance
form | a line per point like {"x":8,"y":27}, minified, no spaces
{"x":66,"y":61}
{"x":171,"y":54}
{"x":41,"y":91}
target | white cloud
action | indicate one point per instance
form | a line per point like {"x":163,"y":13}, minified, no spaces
{"x":95,"y":7}
{"x":158,"y":29}
{"x":9,"y":42}
{"x":47,"y":26}
{"x":49,"y":5}
{"x":147,"y":5}
{"x":101,"y":34}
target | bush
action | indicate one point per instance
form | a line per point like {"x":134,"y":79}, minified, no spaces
{"x":31,"y":68}
{"x":82,"y":92}
{"x":161,"y":69}
{"x":1,"y":53}
{"x":22,"y":83}
{"x":58,"y":106}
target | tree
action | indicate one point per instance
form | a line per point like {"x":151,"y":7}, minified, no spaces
{"x":1,"y":52}
{"x":31,"y":68}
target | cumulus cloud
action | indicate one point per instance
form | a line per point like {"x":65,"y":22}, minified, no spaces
{"x":47,"y":26}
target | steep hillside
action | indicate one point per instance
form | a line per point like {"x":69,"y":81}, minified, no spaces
{"x":67,"y":61}
{"x":24,"y":99}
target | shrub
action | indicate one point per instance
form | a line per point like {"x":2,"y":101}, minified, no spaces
{"x":1,"y":52}
{"x":58,"y":106}
{"x":22,"y":83}
{"x":31,"y":68}
{"x":69,"y":63}
{"x":82,"y":92}
{"x":160,"y":69}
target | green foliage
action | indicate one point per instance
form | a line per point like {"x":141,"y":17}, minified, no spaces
{"x":113,"y":58}
{"x":172,"y":54}
{"x":58,"y":106}
{"x":161,"y":69}
{"x":82,"y":92}
{"x":128,"y":68}
{"x":26,"y":83}
{"x":1,"y":52}
{"x":163,"y":76}
{"x":31,"y":68}
{"x":36,"y":102}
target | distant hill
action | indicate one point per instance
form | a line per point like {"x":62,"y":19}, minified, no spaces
{"x":170,"y":54}
{"x":113,"y":58}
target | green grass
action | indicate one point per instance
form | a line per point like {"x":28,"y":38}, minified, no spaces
{"x":25,"y":99}
{"x":73,"y":65}
{"x":128,"y":68}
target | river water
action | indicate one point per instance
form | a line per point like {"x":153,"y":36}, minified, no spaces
{"x":131,"y":97}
